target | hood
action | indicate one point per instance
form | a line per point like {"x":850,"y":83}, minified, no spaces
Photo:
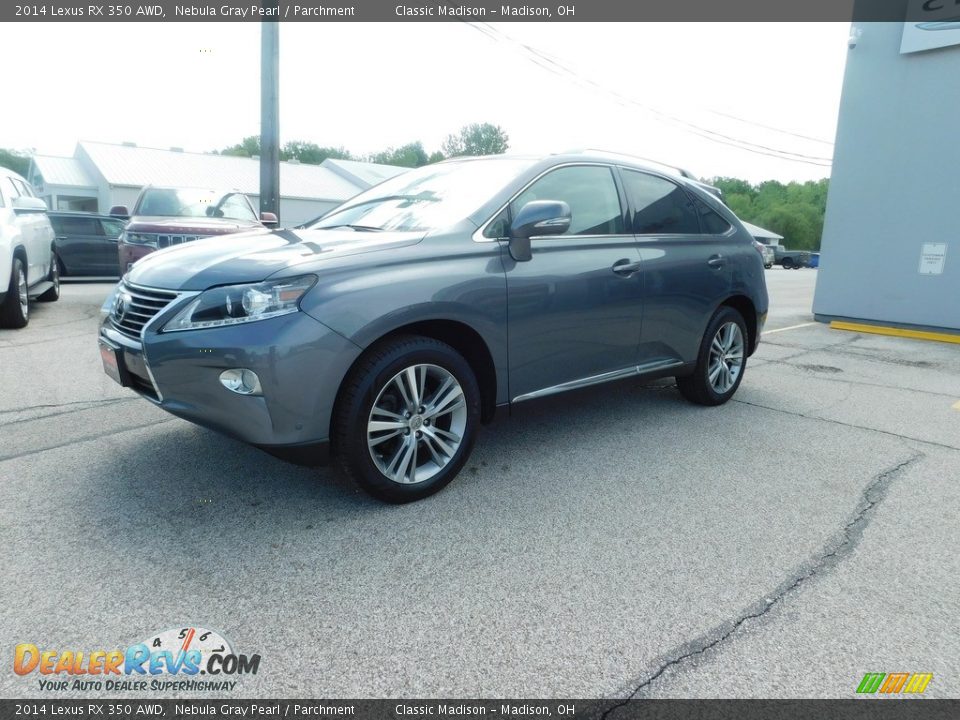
{"x":252,"y":257}
{"x":188,"y":225}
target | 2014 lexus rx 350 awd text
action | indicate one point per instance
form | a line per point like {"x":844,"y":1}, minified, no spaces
{"x":390,"y":329}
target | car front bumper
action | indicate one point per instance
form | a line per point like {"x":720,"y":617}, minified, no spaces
{"x":300,"y":363}
{"x":128,"y":254}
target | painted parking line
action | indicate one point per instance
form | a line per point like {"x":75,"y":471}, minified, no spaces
{"x":792,"y":327}
{"x":896,"y":332}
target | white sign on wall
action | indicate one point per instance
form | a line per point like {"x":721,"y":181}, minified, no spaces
{"x":936,"y":24}
{"x":933,"y":256}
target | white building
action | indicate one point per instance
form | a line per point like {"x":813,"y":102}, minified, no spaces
{"x":101,"y":175}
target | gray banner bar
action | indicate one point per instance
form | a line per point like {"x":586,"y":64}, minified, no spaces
{"x":445,"y":11}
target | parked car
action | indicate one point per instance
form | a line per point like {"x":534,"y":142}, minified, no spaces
{"x":163,"y":217}
{"x":28,"y":269}
{"x":86,"y":243}
{"x":767,"y":253}
{"x":791,"y":259}
{"x":395,"y":325}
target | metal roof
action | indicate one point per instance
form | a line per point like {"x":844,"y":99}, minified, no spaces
{"x":62,"y":171}
{"x":369,"y":174}
{"x":138,"y":166}
{"x":759,"y":232}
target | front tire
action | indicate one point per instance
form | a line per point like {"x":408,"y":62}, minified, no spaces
{"x":53,"y":294}
{"x":15,"y":311}
{"x":787,"y":264}
{"x":721,"y":361}
{"x":407,"y":418}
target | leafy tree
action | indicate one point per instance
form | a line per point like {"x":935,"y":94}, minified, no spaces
{"x":311,"y":153}
{"x":435,"y":157}
{"x":410,"y":155}
{"x":477,"y":139}
{"x":248,"y":147}
{"x":794,"y":210}
{"x":15,"y":160}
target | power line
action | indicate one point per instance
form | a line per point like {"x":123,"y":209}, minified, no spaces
{"x":550,"y":64}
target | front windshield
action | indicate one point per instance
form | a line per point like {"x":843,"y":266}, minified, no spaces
{"x":428,"y":198}
{"x":194,"y":203}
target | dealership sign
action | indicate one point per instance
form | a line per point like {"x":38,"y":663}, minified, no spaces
{"x":938,"y":26}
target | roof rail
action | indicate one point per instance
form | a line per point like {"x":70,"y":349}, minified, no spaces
{"x":683,"y":172}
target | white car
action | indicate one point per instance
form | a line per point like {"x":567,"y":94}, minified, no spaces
{"x":28,"y":267}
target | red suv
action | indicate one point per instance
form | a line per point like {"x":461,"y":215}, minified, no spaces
{"x":164,"y":217}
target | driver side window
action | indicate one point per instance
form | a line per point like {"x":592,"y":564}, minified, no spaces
{"x":589,"y":190}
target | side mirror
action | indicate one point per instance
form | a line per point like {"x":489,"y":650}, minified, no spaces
{"x":269,"y":219}
{"x":26,"y":204}
{"x":535,"y":219}
{"x":120,"y":211}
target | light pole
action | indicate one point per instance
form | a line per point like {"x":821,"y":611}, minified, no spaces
{"x":269,"y":118}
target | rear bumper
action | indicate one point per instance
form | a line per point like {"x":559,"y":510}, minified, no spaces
{"x":300,"y":363}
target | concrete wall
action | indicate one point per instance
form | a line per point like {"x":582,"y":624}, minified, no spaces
{"x":895,"y":185}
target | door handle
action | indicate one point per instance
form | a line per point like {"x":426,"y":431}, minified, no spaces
{"x":625,"y":268}
{"x":716,"y":261}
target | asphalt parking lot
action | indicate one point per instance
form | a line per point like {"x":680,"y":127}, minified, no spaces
{"x":611,"y":542}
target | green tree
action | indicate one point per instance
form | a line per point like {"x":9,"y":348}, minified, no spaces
{"x":435,"y":157}
{"x":248,"y":147}
{"x":477,"y":139}
{"x":409,"y":155}
{"x":15,"y":160}
{"x":311,"y":153}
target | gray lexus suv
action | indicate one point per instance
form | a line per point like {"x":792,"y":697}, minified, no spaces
{"x":391,"y":328}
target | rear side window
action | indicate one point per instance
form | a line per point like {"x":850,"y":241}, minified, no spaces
{"x":711,"y":222}
{"x":660,"y":206}
{"x":589,"y":190}
{"x":79,"y":226}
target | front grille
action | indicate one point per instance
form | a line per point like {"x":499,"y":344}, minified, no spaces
{"x":136,"y":306}
{"x":164,"y":241}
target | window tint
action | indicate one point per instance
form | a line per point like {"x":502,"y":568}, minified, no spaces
{"x":660,"y":206}
{"x":112,"y":228}
{"x":590,"y":192}
{"x":499,"y":227}
{"x":24,"y":189}
{"x":70,"y":225}
{"x":711,"y":222}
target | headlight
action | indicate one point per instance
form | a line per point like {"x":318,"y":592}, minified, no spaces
{"x":111,"y":300}
{"x":132,"y":238}
{"x":242,"y":303}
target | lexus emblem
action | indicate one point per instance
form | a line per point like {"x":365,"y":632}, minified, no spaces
{"x":120,"y":309}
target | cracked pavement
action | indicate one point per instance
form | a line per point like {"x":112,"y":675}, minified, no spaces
{"x":616,"y":542}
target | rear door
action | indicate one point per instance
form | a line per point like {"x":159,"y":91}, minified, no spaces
{"x":33,"y":229}
{"x":574,"y":309}
{"x":80,"y":244}
{"x":685,"y":250}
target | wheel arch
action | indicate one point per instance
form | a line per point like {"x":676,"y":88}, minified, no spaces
{"x":461,"y":337}
{"x":746,"y":308}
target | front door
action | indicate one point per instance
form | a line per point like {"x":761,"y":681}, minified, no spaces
{"x":574,"y":309}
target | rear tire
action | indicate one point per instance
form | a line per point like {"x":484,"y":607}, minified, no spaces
{"x":53,"y":294}
{"x":406,"y":418}
{"x":721,"y":361}
{"x":15,"y":311}
{"x":787,"y":264}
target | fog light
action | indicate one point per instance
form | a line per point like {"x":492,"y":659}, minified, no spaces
{"x":241,"y":381}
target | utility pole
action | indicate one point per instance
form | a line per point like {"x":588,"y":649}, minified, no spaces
{"x":270,"y":118}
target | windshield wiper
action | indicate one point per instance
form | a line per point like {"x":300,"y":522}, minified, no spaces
{"x":358,"y":228}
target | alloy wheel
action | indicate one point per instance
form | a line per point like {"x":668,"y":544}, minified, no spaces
{"x":417,"y":423}
{"x":22,"y":291}
{"x":726,"y":358}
